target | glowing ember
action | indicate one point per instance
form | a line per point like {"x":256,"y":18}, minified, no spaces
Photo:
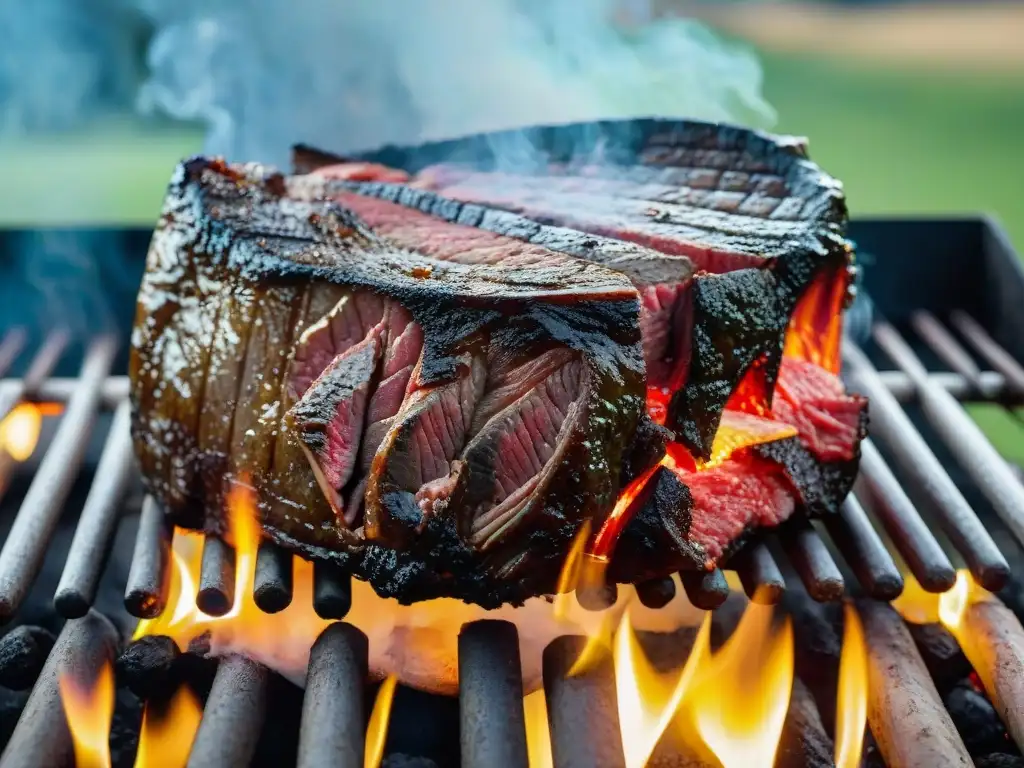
{"x":852,"y":697}
{"x":647,"y":700}
{"x":815,"y":329}
{"x":168,"y":732}
{"x":737,"y":703}
{"x":19,"y":431}
{"x":377,"y":728}
{"x":538,"y":737}
{"x":89,"y":711}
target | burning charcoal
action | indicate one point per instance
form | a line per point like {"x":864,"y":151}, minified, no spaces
{"x":804,"y":743}
{"x":407,"y":761}
{"x":941,"y":653}
{"x":23,"y":652}
{"x":124,"y":729}
{"x":149,"y":668}
{"x":1000,"y":761}
{"x":976,"y":720}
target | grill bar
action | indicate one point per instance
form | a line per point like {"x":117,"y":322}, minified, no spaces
{"x":949,"y":350}
{"x":39,"y":370}
{"x":233,"y":716}
{"x":26,"y":544}
{"x":894,"y":428}
{"x":492,"y":720}
{"x":583,"y":715}
{"x":961,"y":435}
{"x":986,"y":346}
{"x":656,"y":593}
{"x":11,"y":346}
{"x":216,"y":577}
{"x":759,"y":573}
{"x":272,"y":584}
{"x":332,"y":590}
{"x":906,"y":715}
{"x":145,"y":595}
{"x":812,"y":561}
{"x":95,"y":532}
{"x":911,"y":536}
{"x":333,"y":716}
{"x":706,"y":589}
{"x":862,"y":548}
{"x":41,"y":738}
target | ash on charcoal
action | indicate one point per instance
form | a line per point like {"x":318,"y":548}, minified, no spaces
{"x":23,"y":652}
{"x":941,"y":653}
{"x":976,"y":720}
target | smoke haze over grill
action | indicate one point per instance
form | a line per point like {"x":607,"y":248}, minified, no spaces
{"x":263,"y":74}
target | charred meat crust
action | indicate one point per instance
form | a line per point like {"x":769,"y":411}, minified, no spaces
{"x":642,"y":152}
{"x":228,"y":231}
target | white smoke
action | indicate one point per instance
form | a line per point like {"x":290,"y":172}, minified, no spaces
{"x":356,"y":74}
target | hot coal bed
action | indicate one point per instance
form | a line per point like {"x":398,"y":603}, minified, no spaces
{"x":948,"y":297}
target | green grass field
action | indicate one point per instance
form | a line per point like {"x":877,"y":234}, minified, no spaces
{"x":901,"y":142}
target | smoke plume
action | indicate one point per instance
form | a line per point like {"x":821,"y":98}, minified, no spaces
{"x":348,"y":74}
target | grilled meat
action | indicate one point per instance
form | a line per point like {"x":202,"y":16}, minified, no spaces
{"x":437,"y":392}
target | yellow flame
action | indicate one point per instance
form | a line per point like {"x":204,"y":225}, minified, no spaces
{"x":538,"y":737}
{"x":647,"y":699}
{"x":167,"y":733}
{"x":739,"y":430}
{"x":377,"y":728}
{"x":920,"y":607}
{"x":852,"y":697}
{"x":737,"y":704}
{"x":572,"y":572}
{"x":19,"y":432}
{"x":89,"y":712}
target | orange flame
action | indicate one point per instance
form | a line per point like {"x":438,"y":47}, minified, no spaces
{"x":852,"y":697}
{"x":648,"y":700}
{"x":538,"y":737}
{"x":737,"y":704}
{"x":89,"y":711}
{"x":377,"y":728}
{"x":19,"y":431}
{"x":167,"y":733}
{"x":920,"y":607}
{"x":815,"y":328}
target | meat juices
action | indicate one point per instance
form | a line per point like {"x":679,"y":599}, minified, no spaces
{"x":434,"y":374}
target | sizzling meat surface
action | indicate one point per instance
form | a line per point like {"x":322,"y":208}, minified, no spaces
{"x":434,"y":374}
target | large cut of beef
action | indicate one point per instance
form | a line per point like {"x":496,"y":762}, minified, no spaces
{"x":433,"y":366}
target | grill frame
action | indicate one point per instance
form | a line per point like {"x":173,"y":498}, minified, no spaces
{"x":968,"y":253}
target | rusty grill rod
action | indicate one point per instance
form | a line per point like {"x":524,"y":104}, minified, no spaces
{"x":961,"y":435}
{"x":36,"y":521}
{"x":892,"y":425}
{"x":94,"y":534}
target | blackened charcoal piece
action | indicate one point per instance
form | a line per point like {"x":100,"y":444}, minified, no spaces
{"x":407,"y":761}
{"x":976,"y":720}
{"x":941,"y":653}
{"x":804,"y":742}
{"x":23,"y":652}
{"x":149,"y":668}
